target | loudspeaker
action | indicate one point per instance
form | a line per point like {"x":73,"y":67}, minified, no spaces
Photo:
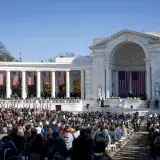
{"x":87,"y":105}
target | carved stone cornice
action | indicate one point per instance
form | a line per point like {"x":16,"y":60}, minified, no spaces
{"x":151,"y":38}
{"x":154,"y":42}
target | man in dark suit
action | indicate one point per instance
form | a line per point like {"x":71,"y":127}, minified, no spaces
{"x":156,"y":103}
{"x":102,"y":102}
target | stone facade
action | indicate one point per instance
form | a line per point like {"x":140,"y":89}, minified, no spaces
{"x":125,"y":50}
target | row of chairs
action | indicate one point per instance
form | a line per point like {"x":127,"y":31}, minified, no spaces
{"x":112,"y":149}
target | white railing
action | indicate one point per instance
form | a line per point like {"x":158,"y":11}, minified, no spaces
{"x":42,"y":101}
{"x":32,"y":103}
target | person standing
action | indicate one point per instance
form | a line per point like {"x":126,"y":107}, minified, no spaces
{"x":102,"y":102}
{"x":156,"y":103}
{"x":98,"y":100}
{"x":148,"y":104}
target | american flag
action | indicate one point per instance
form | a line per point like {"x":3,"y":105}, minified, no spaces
{"x":138,"y":83}
{"x":15,"y":79}
{"x":46,"y":78}
{"x":124,"y":80}
{"x":30,"y":78}
{"x":1,"y":79}
{"x":61,"y":79}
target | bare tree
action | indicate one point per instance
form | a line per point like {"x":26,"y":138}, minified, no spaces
{"x":51,"y":59}
{"x":66,"y":54}
{"x":5,"y":55}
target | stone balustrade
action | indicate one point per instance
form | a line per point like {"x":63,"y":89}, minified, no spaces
{"x":65,"y":104}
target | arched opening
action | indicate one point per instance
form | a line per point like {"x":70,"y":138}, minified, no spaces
{"x":128,"y":74}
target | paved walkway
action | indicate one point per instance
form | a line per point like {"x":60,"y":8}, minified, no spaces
{"x":136,"y":148}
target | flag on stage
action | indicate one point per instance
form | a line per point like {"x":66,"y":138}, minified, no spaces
{"x":61,"y":79}
{"x":1,"y":79}
{"x":124,"y":80}
{"x":15,"y":79}
{"x":30,"y":78}
{"x":45,"y":78}
{"x":138,"y":83}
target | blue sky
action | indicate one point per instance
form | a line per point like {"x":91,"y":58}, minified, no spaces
{"x":41,"y":29}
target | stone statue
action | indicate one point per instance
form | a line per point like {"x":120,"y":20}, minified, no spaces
{"x":99,"y":92}
{"x":157,"y":89}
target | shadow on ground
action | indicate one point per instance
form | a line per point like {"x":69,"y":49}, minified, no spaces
{"x":137,"y":148}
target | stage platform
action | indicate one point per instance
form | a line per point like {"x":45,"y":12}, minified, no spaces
{"x":121,"y":106}
{"x":124,"y":103}
{"x":141,"y":111}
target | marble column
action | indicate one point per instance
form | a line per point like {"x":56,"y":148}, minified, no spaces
{"x":153,"y":82}
{"x":53,"y":85}
{"x":42,"y":81}
{"x":107,"y":82}
{"x":82,"y":85}
{"x":24,"y":95}
{"x":110,"y":83}
{"x":26,"y":83}
{"x":38,"y":84}
{"x":67,"y":84}
{"x":148,"y":82}
{"x":8,"y":84}
{"x":116,"y":83}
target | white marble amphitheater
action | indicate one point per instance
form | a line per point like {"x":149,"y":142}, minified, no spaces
{"x":125,"y":63}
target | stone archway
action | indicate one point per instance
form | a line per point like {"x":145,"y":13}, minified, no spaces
{"x":128,"y":54}
{"x":128,"y":69}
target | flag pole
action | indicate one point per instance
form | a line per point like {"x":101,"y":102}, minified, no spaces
{"x":20,"y":58}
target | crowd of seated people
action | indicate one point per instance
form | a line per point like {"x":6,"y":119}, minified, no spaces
{"x":57,"y":135}
{"x":72,"y":95}
{"x":44,"y":95}
{"x":154,"y":135}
